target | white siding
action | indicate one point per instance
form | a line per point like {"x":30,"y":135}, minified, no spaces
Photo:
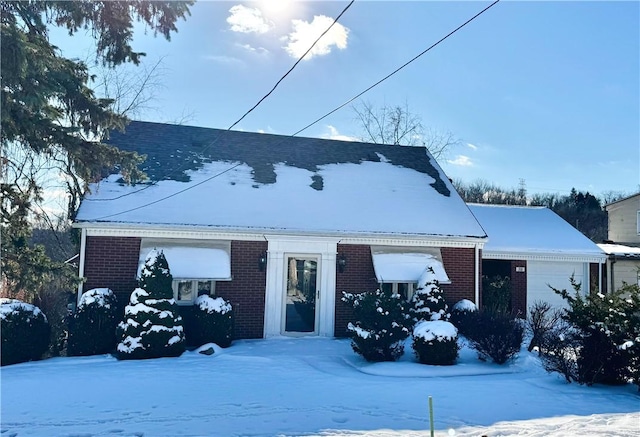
{"x":627,"y":271}
{"x":541,"y":274}
{"x":623,"y":220}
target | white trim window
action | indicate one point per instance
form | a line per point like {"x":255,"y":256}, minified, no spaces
{"x":185,"y":291}
{"x":404,"y":289}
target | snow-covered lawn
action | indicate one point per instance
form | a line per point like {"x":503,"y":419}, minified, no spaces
{"x":306,"y":386}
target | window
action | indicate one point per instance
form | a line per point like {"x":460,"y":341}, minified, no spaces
{"x":185,"y":291}
{"x":404,"y":289}
{"x":638,"y":222}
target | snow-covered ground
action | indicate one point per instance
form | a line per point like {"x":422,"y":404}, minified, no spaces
{"x":305,"y":386}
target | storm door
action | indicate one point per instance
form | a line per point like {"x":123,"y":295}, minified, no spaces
{"x":301,"y":295}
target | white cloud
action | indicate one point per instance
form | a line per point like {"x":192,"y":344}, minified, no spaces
{"x":256,"y":50}
{"x":248,"y":20}
{"x":461,"y":160}
{"x":472,"y":146}
{"x":333,"y":134}
{"x":223,"y":59}
{"x":305,"y":33}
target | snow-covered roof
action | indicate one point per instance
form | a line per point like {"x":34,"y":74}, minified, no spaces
{"x":620,"y":250}
{"x":532,"y":231}
{"x":233,"y":180}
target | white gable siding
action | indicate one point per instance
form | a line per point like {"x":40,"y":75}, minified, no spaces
{"x":623,"y":220}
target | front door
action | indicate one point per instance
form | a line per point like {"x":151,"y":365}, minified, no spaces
{"x":301,"y":294}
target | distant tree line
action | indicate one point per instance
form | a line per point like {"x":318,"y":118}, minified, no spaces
{"x":584,"y":211}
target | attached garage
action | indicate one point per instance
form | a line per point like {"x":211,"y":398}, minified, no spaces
{"x":542,"y":274}
{"x":536,"y":248}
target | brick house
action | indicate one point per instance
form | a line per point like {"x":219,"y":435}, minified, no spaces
{"x":279,"y":226}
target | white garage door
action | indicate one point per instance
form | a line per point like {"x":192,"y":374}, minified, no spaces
{"x":556,"y":274}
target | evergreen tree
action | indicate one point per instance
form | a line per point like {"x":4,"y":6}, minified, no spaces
{"x":428,"y":301}
{"x":152,"y":327}
{"x":50,"y":117}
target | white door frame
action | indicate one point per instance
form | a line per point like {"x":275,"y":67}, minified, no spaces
{"x":280,"y":248}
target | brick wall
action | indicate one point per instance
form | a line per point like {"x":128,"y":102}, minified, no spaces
{"x":246,"y":291}
{"x":112,"y":262}
{"x":358,"y":276}
{"x":519,"y":288}
{"x":460,"y":264}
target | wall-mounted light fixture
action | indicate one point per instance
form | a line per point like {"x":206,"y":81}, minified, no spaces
{"x":262,"y":261}
{"x":341,"y":262}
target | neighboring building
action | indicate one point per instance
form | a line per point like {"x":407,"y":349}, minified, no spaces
{"x":624,"y":220}
{"x":623,"y":245}
{"x":278,"y":225}
{"x":536,"y":249}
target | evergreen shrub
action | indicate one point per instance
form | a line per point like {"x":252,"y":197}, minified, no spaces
{"x":213,"y":321}
{"x":462,"y":315}
{"x":25,"y":332}
{"x":435,"y":343}
{"x":92,"y":328}
{"x":496,"y":335}
{"x":152,"y":326}
{"x":428,"y":301}
{"x":607,"y":330}
{"x":496,"y":293}
{"x":381,"y":324}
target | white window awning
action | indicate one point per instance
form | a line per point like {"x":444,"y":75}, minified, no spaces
{"x":192,"y":260}
{"x":406,"y":264}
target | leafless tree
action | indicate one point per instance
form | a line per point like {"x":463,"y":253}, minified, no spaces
{"x":397,"y":125}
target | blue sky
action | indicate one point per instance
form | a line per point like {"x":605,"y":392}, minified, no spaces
{"x":544,"y":91}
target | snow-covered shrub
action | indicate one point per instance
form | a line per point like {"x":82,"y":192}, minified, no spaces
{"x":462,"y":315}
{"x":25,"y":332}
{"x":213,"y":322}
{"x":496,"y":293}
{"x":428,"y":301}
{"x":92,"y":328}
{"x":541,"y":321}
{"x":435,"y":342}
{"x":608,"y":333}
{"x":381,"y":324}
{"x":495,"y":335}
{"x":152,"y":327}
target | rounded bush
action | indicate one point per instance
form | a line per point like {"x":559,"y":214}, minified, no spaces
{"x":92,"y":328}
{"x":462,"y":316}
{"x":436,"y":343}
{"x":381,"y":324}
{"x":213,"y":321}
{"x":496,"y":335}
{"x":25,"y":332}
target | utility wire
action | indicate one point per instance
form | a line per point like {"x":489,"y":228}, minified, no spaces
{"x":219,"y":134}
{"x":294,"y":65}
{"x":397,"y":69}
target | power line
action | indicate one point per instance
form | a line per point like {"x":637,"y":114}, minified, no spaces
{"x":399,"y":68}
{"x":250,"y":110}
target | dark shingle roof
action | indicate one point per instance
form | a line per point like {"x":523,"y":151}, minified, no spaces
{"x":171,"y":150}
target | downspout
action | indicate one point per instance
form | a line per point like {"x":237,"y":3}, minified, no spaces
{"x":477,"y":272}
{"x":83,"y":245}
{"x":613,"y":282}
{"x":600,"y":277}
